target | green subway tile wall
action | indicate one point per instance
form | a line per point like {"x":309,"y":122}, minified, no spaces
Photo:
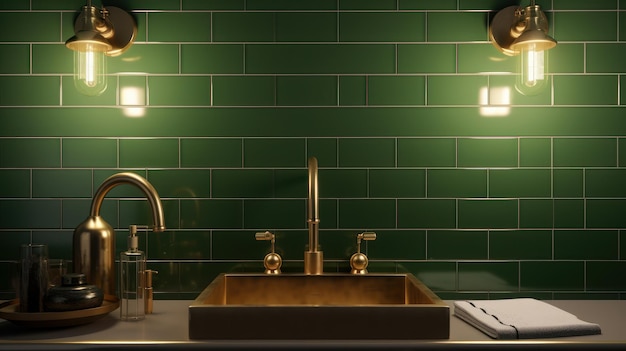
{"x":478,"y":190}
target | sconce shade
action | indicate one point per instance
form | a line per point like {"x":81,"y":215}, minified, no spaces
{"x":539,"y":38}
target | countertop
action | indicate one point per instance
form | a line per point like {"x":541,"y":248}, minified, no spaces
{"x":166,"y":328}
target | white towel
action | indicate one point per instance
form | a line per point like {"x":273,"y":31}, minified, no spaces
{"x":521,"y":319}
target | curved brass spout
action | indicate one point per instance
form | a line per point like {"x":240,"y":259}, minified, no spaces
{"x":94,"y":239}
{"x":313,"y":258}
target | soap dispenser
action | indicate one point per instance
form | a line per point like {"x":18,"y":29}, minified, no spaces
{"x":132,"y":273}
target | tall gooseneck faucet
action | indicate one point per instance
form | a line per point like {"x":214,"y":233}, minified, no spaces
{"x":313,"y":258}
{"x":94,"y":239}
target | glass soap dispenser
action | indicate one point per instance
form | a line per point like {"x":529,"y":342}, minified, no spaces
{"x":132,"y":272}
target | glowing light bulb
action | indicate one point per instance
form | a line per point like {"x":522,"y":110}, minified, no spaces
{"x":90,"y":68}
{"x":532,"y":76}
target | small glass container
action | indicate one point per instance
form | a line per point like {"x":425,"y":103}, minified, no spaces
{"x":33,"y":277}
{"x":132,"y":280}
{"x":73,"y":294}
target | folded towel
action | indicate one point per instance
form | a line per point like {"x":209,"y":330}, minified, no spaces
{"x":521,"y":319}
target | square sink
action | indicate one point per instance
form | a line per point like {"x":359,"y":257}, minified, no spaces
{"x":315,"y":307}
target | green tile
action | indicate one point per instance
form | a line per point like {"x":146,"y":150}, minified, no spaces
{"x":427,"y":213}
{"x":51,"y":58}
{"x":431,"y":58}
{"x":342,"y":183}
{"x":567,"y":182}
{"x":520,"y":245}
{"x":179,"y":91}
{"x":586,"y":90}
{"x":536,"y":213}
{"x":482,"y":58}
{"x":290,"y":183}
{"x":503,"y":91}
{"x":73,"y":97}
{"x":30,"y":214}
{"x":398,"y":245}
{"x":605,"y":213}
{"x":585,"y":26}
{"x":306,"y":91}
{"x":57,"y":243}
{"x":31,"y":153}
{"x":569,"y":213}
{"x":418,"y":152}
{"x":622,"y":18}
{"x":367,"y":214}
{"x":152,"y":5}
{"x":535,"y":152}
{"x":15,"y":59}
{"x":498,"y":214}
{"x":605,"y":58}
{"x":456,"y":183}
{"x":487,"y":152}
{"x":137,"y":211}
{"x":498,"y":276}
{"x":133,"y":95}
{"x":605,"y":276}
{"x":427,"y":5}
{"x":361,"y":152}
{"x":474,"y":26}
{"x":329,"y":214}
{"x":136,"y":153}
{"x":243,"y":27}
{"x":29,"y":91}
{"x":214,"y":5}
{"x":62,"y":183}
{"x":585,"y":5}
{"x":16,"y":5}
{"x":306,"y":26}
{"x":237,"y":245}
{"x":179,"y":26}
{"x":367,"y":5}
{"x":320,"y":58}
{"x":30,"y":27}
{"x":211,"y":58}
{"x":468,"y":245}
{"x":273,"y":152}
{"x":587,"y":152}
{"x":382,"y":27}
{"x":140,"y":59}
{"x":244,"y":91}
{"x":291,"y":5}
{"x":551,"y":275}
{"x":396,"y":90}
{"x":168,"y":182}
{"x":352,"y":90}
{"x":324,"y":149}
{"x":211,"y":152}
{"x":585,"y":245}
{"x":520,"y":183}
{"x":621,"y":143}
{"x":605,"y":183}
{"x":242,"y":183}
{"x":453,"y":90}
{"x":568,"y":58}
{"x":397,"y":183}
{"x":274,"y":214}
{"x":91,"y":153}
{"x":75,"y":211}
{"x":179,"y":245}
{"x":213,"y":213}
{"x":14,"y":183}
{"x":11,"y":242}
{"x":438,"y":276}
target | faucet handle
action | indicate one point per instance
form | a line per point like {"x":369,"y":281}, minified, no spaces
{"x":359,"y":260}
{"x":272,"y":260}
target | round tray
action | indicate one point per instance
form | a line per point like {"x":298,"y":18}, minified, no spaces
{"x":8,"y":311}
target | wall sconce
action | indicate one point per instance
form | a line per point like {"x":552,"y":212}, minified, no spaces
{"x":523,"y":31}
{"x":98,"y":32}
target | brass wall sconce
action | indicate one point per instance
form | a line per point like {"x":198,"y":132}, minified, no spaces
{"x":522,"y":31}
{"x":98,"y":32}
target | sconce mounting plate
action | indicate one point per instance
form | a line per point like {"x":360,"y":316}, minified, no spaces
{"x":500,"y":29}
{"x":124,"y":27}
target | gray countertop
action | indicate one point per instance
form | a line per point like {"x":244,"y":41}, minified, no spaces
{"x":167,"y":329}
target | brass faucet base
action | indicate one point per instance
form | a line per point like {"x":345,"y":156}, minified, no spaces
{"x":313,"y":262}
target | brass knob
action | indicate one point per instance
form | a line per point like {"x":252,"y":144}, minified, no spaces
{"x":359,"y":260}
{"x":272,"y":260}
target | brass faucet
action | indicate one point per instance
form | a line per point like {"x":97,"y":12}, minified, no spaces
{"x":313,"y":258}
{"x":94,"y":239}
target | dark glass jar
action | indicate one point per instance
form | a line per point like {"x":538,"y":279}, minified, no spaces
{"x":73,"y":294}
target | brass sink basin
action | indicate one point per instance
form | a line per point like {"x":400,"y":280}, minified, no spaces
{"x":327,"y":306}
